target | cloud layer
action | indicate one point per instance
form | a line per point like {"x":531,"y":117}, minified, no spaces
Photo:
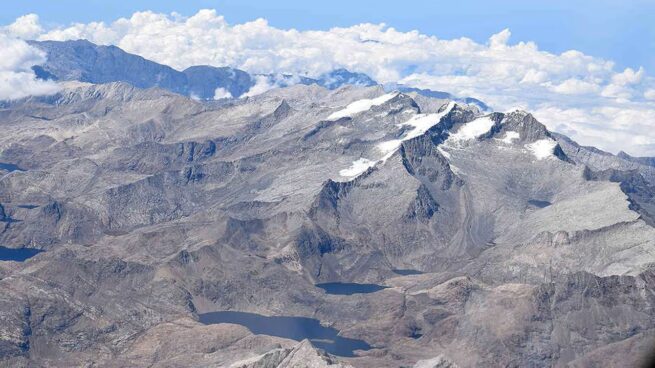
{"x":577,"y":94}
{"x":17,"y":80}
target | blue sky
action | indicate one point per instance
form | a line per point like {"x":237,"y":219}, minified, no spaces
{"x":622,"y":31}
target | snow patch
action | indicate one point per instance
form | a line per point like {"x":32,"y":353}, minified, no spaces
{"x":361,"y":106}
{"x":455,"y":170}
{"x":421,"y":123}
{"x":510,"y":136}
{"x":443,"y":152}
{"x":357,"y":168}
{"x":438,"y":361}
{"x":472,"y":129}
{"x":542,"y":148}
{"x":389,"y":147}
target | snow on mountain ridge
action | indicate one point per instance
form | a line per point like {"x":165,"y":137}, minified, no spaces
{"x":361,"y":106}
{"x":472,"y":129}
{"x":542,"y":148}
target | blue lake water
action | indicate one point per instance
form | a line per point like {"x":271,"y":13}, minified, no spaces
{"x":28,"y":206}
{"x":9,"y":219}
{"x":295,"y":328}
{"x":9,"y":167}
{"x":344,"y":288}
{"x":540,"y":204}
{"x":408,"y":272}
{"x":18,"y":255}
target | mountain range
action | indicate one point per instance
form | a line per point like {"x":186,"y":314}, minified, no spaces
{"x":84,"y":61}
{"x":327,"y":222}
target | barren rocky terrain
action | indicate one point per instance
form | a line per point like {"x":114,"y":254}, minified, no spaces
{"x":484,"y":238}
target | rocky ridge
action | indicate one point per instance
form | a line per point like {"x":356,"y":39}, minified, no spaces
{"x":153,"y":208}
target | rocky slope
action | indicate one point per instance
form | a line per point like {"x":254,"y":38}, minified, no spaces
{"x":497,"y":242}
{"x":81,"y":60}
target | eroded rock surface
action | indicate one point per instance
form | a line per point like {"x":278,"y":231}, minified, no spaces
{"x":152,"y":208}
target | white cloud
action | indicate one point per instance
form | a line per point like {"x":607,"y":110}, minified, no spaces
{"x":628,"y":77}
{"x":262,"y":84}
{"x":575,"y":87}
{"x":501,"y":73}
{"x":617,"y":91}
{"x":17,"y":55}
{"x":533,"y":76}
{"x":649,"y":94}
{"x":25,"y":27}
{"x":618,"y":126}
{"x":221,"y":93}
{"x":500,"y":39}
{"x":17,"y":80}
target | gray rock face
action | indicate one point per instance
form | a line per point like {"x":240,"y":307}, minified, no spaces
{"x":203,"y":80}
{"x":153,"y":208}
{"x":341,"y":77}
{"x":84,"y":61}
{"x":303,"y":355}
{"x":636,"y":175}
{"x":438,"y":95}
{"x":81,"y":60}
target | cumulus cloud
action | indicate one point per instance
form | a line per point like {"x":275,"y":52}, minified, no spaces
{"x":262,"y":84}
{"x":26,"y":27}
{"x":608,"y":126}
{"x":628,"y":76}
{"x":221,"y":92}
{"x":500,"y":39}
{"x":503,"y":74}
{"x":575,"y":87}
{"x":17,"y":80}
{"x":650,"y":94}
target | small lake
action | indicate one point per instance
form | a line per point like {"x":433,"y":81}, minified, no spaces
{"x":538,"y":203}
{"x":295,"y":328}
{"x":10,"y":220}
{"x":28,"y":206}
{"x":345,"y":288}
{"x":9,"y":167}
{"x":18,"y":255}
{"x":408,"y":272}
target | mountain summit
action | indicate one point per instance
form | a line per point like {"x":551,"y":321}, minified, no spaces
{"x":81,"y":60}
{"x":332,"y":223}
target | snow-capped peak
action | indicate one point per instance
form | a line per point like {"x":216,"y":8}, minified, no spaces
{"x":361,"y":106}
{"x":472,"y":129}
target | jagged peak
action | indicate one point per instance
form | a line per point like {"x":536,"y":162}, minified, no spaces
{"x":458,"y":115}
{"x":303,"y":354}
{"x":518,"y":126}
{"x":648,"y":161}
{"x":623,"y":155}
{"x":335,"y":78}
{"x":282,"y":109}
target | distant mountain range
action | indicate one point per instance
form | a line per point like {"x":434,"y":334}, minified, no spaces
{"x":81,"y":60}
